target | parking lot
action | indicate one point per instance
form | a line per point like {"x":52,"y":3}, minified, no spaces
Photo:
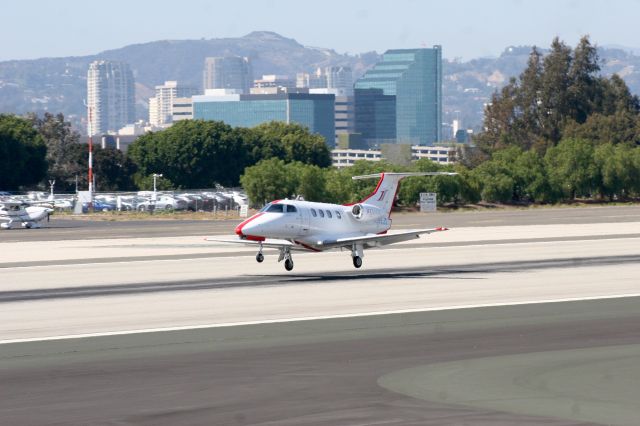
{"x":214,"y":200}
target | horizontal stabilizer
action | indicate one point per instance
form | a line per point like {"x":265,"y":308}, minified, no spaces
{"x":403,"y":175}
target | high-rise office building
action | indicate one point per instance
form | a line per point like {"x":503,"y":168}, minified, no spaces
{"x":110,"y":96}
{"x":343,"y":110}
{"x":316,"y":112}
{"x":161,"y":106}
{"x":375,"y":116}
{"x":316,"y":80}
{"x":414,"y":78}
{"x":340,"y":78}
{"x":229,"y":72}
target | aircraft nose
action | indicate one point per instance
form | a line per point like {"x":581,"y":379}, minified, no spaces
{"x":249,"y":226}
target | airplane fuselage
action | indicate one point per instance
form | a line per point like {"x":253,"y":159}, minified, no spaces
{"x":29,"y":216}
{"x":311,"y":224}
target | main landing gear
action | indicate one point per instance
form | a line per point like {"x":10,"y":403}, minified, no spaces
{"x":357,"y":253}
{"x":285,"y":254}
{"x":288,"y":264}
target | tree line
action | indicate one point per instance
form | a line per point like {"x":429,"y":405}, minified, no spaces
{"x":190,"y":154}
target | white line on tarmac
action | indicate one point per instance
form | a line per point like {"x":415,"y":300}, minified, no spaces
{"x":307,"y":253}
{"x":311,"y":318}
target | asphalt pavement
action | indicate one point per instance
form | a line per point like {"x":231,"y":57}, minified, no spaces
{"x":323,"y":372}
{"x":64,"y":227}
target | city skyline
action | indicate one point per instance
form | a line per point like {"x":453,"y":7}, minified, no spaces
{"x":466,"y":29}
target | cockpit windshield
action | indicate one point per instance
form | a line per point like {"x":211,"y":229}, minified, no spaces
{"x":279,"y":208}
{"x":275,"y":208}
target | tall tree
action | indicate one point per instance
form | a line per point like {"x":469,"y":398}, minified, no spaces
{"x":583,"y":91}
{"x":555,"y":100}
{"x":61,"y":142}
{"x":22,"y":153}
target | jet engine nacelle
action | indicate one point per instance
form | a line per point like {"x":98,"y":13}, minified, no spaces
{"x":364,"y":212}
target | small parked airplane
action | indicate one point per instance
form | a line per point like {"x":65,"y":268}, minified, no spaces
{"x":29,"y":216}
{"x":295,"y":225}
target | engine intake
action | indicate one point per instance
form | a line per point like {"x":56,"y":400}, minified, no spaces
{"x":357,"y":211}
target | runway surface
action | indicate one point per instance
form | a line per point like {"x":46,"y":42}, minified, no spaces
{"x":503,"y":321}
{"x":64,"y":227}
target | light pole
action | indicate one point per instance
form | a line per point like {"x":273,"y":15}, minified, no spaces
{"x":51,"y":183}
{"x":155,"y":176}
{"x":154,"y":197}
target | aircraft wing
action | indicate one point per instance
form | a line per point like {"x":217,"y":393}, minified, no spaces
{"x":268,"y":243}
{"x":376,"y":240}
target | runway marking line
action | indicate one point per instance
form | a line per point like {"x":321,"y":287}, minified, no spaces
{"x":311,"y":318}
{"x":251,"y":251}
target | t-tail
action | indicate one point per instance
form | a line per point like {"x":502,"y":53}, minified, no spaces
{"x":385,"y":193}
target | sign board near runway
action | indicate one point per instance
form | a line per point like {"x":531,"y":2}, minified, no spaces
{"x":84,"y":197}
{"x":244,"y":210}
{"x":428,"y":202}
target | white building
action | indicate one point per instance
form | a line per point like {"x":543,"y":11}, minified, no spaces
{"x":229,"y":72}
{"x":182,"y":109}
{"x":110,"y":96}
{"x":340,"y":78}
{"x":161,"y":106}
{"x":438,"y":154}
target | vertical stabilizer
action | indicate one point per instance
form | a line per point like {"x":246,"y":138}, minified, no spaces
{"x":385,"y":193}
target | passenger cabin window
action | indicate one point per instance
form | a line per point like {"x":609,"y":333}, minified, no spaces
{"x":338,"y":215}
{"x":291,"y":209}
{"x":276,"y":208}
{"x":328,"y":214}
{"x":313,"y":213}
{"x":321,"y":213}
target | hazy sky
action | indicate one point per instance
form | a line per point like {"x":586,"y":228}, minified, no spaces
{"x":467,"y":29}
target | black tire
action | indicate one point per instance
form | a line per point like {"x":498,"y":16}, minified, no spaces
{"x":168,"y":207}
{"x":357,"y":261}
{"x":142,"y":208}
{"x":259,"y":257}
{"x":288,"y":264}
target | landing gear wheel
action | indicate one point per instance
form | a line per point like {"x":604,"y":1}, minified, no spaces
{"x":288,"y":264}
{"x":259,"y":257}
{"x":357,"y":261}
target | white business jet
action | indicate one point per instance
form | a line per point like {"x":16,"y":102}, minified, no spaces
{"x":27,"y":215}
{"x":295,"y":225}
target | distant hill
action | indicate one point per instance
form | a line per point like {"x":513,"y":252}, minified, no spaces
{"x":59,"y":84}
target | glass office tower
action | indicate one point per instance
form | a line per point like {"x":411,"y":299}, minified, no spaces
{"x":414,"y":78}
{"x":316,"y":112}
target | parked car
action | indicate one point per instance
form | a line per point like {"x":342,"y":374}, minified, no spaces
{"x":164,"y":202}
{"x":99,"y":206}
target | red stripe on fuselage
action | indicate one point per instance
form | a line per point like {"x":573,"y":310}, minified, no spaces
{"x":308,"y":247}
{"x":239,"y":227}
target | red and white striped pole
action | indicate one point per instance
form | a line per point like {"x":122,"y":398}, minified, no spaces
{"x":90,"y":177}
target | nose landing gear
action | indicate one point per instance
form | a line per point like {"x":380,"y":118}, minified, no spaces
{"x":260,"y":256}
{"x":357,"y":261}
